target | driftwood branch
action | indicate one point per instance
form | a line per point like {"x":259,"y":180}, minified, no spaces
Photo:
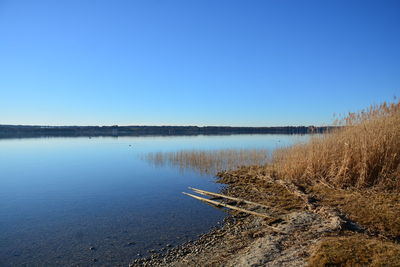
{"x":206,"y":193}
{"x":227,"y":206}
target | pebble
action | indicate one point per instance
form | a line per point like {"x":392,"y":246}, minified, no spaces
{"x":92,"y":248}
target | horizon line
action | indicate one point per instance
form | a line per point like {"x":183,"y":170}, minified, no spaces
{"x":138,"y":125}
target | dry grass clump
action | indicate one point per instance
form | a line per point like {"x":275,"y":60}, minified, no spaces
{"x":364,"y":153}
{"x":378,"y":212}
{"x":356,"y":250}
{"x":210,"y":161}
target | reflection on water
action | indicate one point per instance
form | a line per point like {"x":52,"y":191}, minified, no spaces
{"x":209,"y":161}
{"x":81,"y":201}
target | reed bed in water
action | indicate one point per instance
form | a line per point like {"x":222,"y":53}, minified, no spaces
{"x":210,"y":161}
{"x":364,"y":153}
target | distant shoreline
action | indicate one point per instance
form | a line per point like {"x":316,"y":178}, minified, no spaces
{"x":7,"y":131}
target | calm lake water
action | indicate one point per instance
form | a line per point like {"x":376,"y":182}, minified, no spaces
{"x":95,"y":201}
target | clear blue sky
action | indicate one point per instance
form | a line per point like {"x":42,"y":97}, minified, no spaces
{"x":195,"y":62}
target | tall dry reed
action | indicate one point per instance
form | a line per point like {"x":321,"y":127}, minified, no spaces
{"x":364,"y":153}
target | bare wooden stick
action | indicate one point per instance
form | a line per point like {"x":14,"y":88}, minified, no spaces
{"x":227,"y":206}
{"x":206,"y":193}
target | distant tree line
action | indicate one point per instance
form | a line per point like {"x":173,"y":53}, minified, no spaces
{"x":34,"y":131}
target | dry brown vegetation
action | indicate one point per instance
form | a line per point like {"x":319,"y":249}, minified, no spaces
{"x":364,"y":153}
{"x":355,"y":169}
{"x":378,"y":212}
{"x":355,"y":250}
{"x":210,"y":161}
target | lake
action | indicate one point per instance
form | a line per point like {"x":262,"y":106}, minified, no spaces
{"x":87,"y":201}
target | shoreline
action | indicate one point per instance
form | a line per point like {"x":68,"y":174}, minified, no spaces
{"x":245,"y":240}
{"x":294,"y":238}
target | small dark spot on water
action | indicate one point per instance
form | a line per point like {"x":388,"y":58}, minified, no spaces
{"x":130,"y":244}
